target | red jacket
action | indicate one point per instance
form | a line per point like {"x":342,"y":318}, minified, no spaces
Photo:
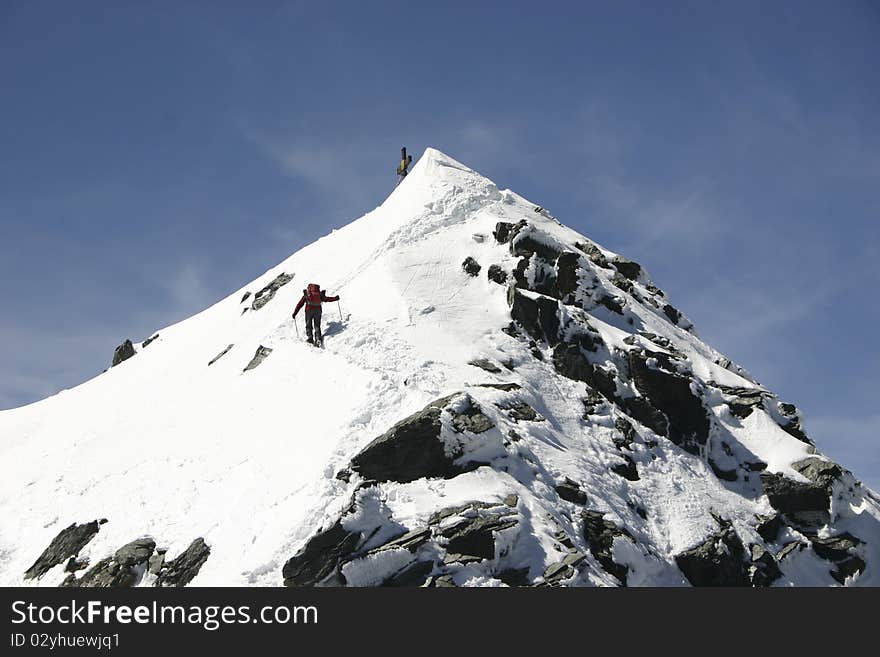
{"x":304,"y":301}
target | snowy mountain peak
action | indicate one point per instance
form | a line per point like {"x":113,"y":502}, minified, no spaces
{"x":500,"y":401}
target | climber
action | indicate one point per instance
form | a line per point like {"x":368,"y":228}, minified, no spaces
{"x":405,"y":161}
{"x":312,"y":298}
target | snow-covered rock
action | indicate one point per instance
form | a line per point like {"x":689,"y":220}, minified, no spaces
{"x":524,"y":410}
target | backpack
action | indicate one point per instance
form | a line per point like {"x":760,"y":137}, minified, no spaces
{"x":313,"y":295}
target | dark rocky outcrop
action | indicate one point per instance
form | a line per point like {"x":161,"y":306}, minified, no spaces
{"x":497,"y":274}
{"x":181,"y":570}
{"x":795,"y":497}
{"x":569,"y":360}
{"x":538,"y":316}
{"x":220,"y":355}
{"x":412,"y":448}
{"x":506,"y":387}
{"x":519,"y":411}
{"x":614,"y":304}
{"x":485,"y":364}
{"x":476,"y":536}
{"x":567,"y":278}
{"x":718,"y":561}
{"x":123,"y":569}
{"x":245,"y":297}
{"x":505,"y":230}
{"x":558,"y":572}
{"x":763,"y":570}
{"x":672,"y":313}
{"x":261,"y":354}
{"x":746,"y":401}
{"x":320,"y":556}
{"x":123,"y":352}
{"x":416,"y":573}
{"x":470,"y":266}
{"x":594,"y":254}
{"x":769,"y":528}
{"x":571,"y":491}
{"x":148,"y":341}
{"x":627,"y":469}
{"x":527,"y":241}
{"x":65,"y":545}
{"x":265,"y":295}
{"x":671,"y":394}
{"x":628,"y":268}
{"x":839,"y":550}
{"x":599,"y":535}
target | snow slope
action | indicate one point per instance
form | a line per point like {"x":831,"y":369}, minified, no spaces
{"x":167,"y":446}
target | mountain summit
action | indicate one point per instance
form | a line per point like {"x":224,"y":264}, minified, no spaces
{"x":500,"y":401}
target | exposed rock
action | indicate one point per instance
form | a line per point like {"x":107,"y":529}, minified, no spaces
{"x":471,"y":266}
{"x":181,"y":571}
{"x":497,"y":274}
{"x":320,"y":556}
{"x":413,"y":449}
{"x":261,"y":355}
{"x":789,"y":548}
{"x":520,"y":411}
{"x":515,"y":577}
{"x":769,"y":528}
{"x":416,"y":573}
{"x":485,"y":364}
{"x":671,"y":394}
{"x":220,"y":355}
{"x":627,"y":470}
{"x":147,"y":342}
{"x":613,"y":304}
{"x":622,"y":282}
{"x":505,"y":230}
{"x":567,"y":278}
{"x":564,"y":569}
{"x":818,"y":471}
{"x":599,"y":535}
{"x":135,"y":553}
{"x":156,"y":562}
{"x":594,"y":254}
{"x":467,"y":507}
{"x":569,"y":360}
{"x":793,"y":497}
{"x":265,"y":295}
{"x":793,"y":428}
{"x":74,"y":564}
{"x":627,"y":433}
{"x":245,"y":297}
{"x":539,"y":317}
{"x":120,"y":570}
{"x":519,"y":273}
{"x":632,"y":270}
{"x":721,"y":473}
{"x":672,"y":313}
{"x":506,"y":387}
{"x":571,"y":491}
{"x":592,"y":402}
{"x":411,"y":540}
{"x":528,"y":241}
{"x":718,"y":561}
{"x":471,"y":419}
{"x":745,"y":403}
{"x":834,"y":548}
{"x":763,"y":570}
{"x":67,"y":543}
{"x":848,"y":567}
{"x":511,"y":500}
{"x":475,"y":536}
{"x":123,"y":352}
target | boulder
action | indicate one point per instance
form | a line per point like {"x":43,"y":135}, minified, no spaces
{"x":599,"y":535}
{"x":476,"y":536}
{"x":627,"y":469}
{"x":519,"y":411}
{"x":505,"y":230}
{"x":485,"y":364}
{"x":123,"y":352}
{"x":470,"y":266}
{"x":261,"y":354}
{"x":571,"y":491}
{"x":148,"y":341}
{"x":718,"y":561}
{"x":265,"y":295}
{"x":529,"y":240}
{"x":763,"y":570}
{"x":631,"y":270}
{"x":123,"y":569}
{"x":497,"y":274}
{"x":594,"y":254}
{"x":412,"y":448}
{"x":181,"y":570}
{"x":66,"y":544}
{"x":320,"y":556}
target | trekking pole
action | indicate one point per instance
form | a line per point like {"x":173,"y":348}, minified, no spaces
{"x":339,"y":308}
{"x":296,"y":326}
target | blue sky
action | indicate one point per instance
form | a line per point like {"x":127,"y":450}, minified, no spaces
{"x":156,"y":156}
